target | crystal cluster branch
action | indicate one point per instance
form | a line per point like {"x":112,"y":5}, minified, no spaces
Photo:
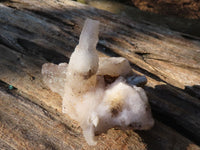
{"x":99,"y":93}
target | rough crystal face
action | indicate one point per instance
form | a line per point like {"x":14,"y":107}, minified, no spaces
{"x":54,"y":76}
{"x":114,"y":66}
{"x":89,"y":98}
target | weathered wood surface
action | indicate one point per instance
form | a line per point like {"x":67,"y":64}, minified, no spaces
{"x":34,"y":32}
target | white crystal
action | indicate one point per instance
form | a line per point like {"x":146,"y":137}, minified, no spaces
{"x":114,"y":66}
{"x":96,"y":105}
{"x":54,"y":76}
{"x":83,"y":64}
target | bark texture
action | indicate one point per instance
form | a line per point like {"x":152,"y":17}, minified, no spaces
{"x":34,"y":32}
{"x":182,"y":8}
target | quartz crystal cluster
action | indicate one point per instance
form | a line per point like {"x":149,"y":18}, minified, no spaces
{"x":99,"y":93}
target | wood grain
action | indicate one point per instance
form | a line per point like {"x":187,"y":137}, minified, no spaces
{"x":34,"y":32}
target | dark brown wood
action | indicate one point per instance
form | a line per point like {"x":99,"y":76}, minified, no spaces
{"x":34,"y":32}
{"x":181,"y":8}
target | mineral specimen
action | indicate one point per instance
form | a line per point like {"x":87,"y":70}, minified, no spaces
{"x":89,"y":98}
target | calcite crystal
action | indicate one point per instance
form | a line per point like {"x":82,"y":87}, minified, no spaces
{"x":89,"y":98}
